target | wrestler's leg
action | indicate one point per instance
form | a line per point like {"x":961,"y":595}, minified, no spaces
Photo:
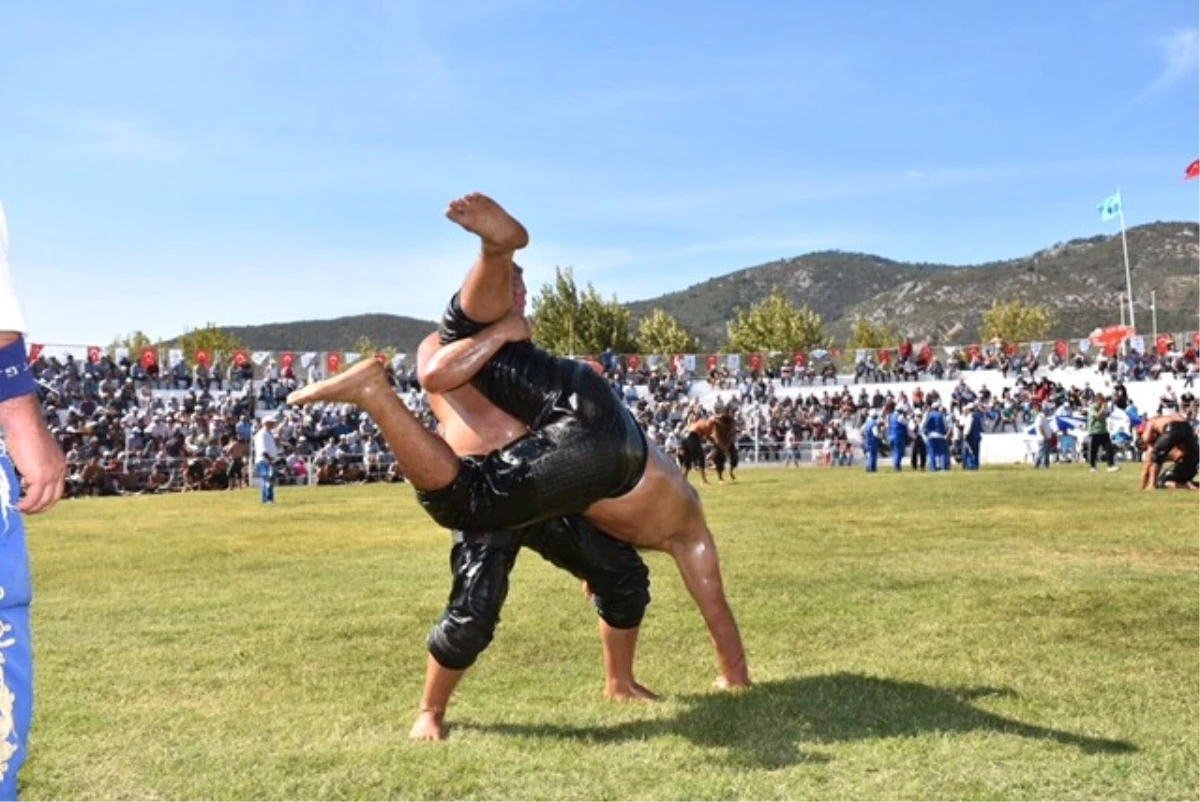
{"x":615,"y":580}
{"x":620,"y":649}
{"x":423,"y":457}
{"x":440,"y":683}
{"x":480,"y":565}
{"x":487,"y":292}
{"x":664,"y":512}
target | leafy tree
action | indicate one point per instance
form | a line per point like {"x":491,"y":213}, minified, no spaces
{"x":867,"y":335}
{"x":366,"y":348}
{"x":211,"y":338}
{"x":662,"y":334}
{"x":567,"y":321}
{"x":775,"y":325}
{"x":134,"y":342}
{"x":1015,"y":321}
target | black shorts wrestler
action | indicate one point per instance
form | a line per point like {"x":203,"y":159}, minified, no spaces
{"x":691,"y":451}
{"x":481,"y":563}
{"x":1177,"y":435}
{"x":583,"y":445}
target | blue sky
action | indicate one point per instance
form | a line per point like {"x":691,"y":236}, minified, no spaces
{"x":169,"y":164}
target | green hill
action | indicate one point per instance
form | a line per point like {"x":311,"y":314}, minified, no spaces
{"x":1082,"y":279}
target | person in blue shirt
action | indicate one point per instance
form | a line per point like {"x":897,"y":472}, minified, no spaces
{"x":897,"y":434}
{"x":871,"y":440}
{"x":934,"y":429}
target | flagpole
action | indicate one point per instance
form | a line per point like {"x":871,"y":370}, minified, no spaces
{"x":1125,"y":246}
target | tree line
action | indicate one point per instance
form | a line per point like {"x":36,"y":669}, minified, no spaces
{"x":569,"y":321}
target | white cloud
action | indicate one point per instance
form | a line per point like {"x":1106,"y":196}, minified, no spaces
{"x":1181,"y":55}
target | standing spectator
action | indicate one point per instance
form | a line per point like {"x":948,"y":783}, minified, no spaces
{"x":1043,"y":430}
{"x":1097,"y":425}
{"x":871,"y":440}
{"x":934,"y":429}
{"x":920,"y":450}
{"x":972,"y":436}
{"x":25,"y":441}
{"x":897,"y":432}
{"x":266,"y":451}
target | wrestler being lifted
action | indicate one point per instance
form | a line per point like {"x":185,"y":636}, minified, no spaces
{"x":584,"y":453}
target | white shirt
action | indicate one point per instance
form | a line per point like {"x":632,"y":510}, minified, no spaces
{"x":264,"y":445}
{"x":11,"y":318}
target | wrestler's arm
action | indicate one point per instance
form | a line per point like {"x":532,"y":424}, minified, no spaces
{"x":442,"y":368}
{"x":32,"y":448}
{"x":701,"y":572}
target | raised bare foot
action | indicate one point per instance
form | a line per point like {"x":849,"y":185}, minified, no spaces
{"x":481,"y":215}
{"x":428,"y":727}
{"x":630,"y":692}
{"x":349,"y":386}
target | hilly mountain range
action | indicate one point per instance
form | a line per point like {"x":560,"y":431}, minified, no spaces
{"x":1081,"y":279}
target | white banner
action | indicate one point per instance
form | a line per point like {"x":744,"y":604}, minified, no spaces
{"x":1035,"y":349}
{"x":174,"y":356}
{"x":1084,"y":345}
{"x":735,"y":361}
{"x":689,"y":361}
{"x":397,"y":361}
{"x":307,"y":358}
{"x":652,"y":361}
{"x":350,"y":357}
{"x":1138,"y":343}
{"x":121,"y":353}
{"x":260,"y":357}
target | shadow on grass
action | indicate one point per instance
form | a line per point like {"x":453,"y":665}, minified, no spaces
{"x":768,"y":725}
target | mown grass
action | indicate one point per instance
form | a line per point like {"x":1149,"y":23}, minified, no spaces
{"x":1005,"y":634}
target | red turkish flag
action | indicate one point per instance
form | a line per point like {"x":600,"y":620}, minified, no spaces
{"x":973,"y":352}
{"x":202,"y":357}
{"x":287,"y":359}
{"x":93,"y":354}
{"x":885,"y":356}
{"x":926,"y":355}
{"x":1060,"y":348}
{"x":711,"y":362}
{"x":35,"y":350}
{"x":1163,"y":343}
{"x":1109,"y":338}
{"x":1192,"y":171}
{"x":756,"y":362}
{"x":333,"y":361}
{"x":240,"y":358}
{"x":799,"y":359}
{"x":677,"y":365}
{"x":633,"y":362}
{"x":149,"y":357}
{"x":1010,"y":349}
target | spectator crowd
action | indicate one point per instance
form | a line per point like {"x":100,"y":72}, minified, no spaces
{"x":126,"y":429}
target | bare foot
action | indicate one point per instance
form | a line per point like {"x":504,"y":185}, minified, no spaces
{"x":350,"y":386}
{"x":726,"y":684}
{"x":481,"y":215}
{"x":428,"y":727}
{"x":630,"y":692}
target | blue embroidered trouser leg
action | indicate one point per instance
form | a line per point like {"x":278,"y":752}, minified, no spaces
{"x":16,"y":652}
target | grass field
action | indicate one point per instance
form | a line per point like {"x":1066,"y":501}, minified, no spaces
{"x":1007,"y":634}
